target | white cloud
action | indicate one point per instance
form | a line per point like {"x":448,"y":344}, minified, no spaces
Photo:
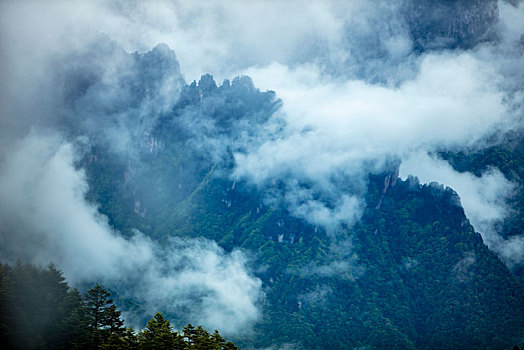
{"x":483,"y":199}
{"x":344,"y":129}
{"x":338,"y":127}
{"x":45,"y":217}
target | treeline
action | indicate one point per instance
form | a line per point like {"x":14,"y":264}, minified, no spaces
{"x":38,"y":310}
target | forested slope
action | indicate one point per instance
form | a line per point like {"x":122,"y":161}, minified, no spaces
{"x":278,"y":215}
{"x":412,"y":273}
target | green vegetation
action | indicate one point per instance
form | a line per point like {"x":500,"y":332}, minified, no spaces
{"x":412,"y":274}
{"x":508,"y":158}
{"x":40,"y":311}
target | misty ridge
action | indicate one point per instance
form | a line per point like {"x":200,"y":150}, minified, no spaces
{"x":322,"y":175}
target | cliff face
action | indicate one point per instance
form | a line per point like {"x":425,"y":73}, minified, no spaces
{"x":450,"y":24}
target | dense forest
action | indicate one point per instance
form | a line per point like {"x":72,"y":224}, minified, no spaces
{"x":38,"y":310}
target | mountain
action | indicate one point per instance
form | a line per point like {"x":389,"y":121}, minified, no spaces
{"x":412,"y":273}
{"x":286,"y":219}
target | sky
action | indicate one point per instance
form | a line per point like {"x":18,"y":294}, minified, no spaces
{"x":356,"y":94}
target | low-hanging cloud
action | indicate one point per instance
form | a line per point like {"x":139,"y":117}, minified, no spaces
{"x":338,"y":132}
{"x":45,"y":217}
{"x":484,"y":199}
{"x":356,"y":98}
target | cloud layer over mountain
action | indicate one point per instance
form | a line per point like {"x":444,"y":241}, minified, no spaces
{"x":45,"y":217}
{"x":360,"y":92}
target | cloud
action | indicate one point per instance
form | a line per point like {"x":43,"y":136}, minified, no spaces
{"x":483,"y":199}
{"x":210,"y":36}
{"x":217,"y":37}
{"x":511,"y":20}
{"x":338,"y":131}
{"x":319,"y":295}
{"x":462,"y":270}
{"x":45,"y":217}
{"x":356,"y":98}
{"x":346,"y":269}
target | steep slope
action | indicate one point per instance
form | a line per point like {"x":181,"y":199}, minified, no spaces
{"x":411,"y":274}
{"x":508,"y":157}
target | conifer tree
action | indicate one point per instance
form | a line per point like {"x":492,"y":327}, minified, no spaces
{"x":104,"y":318}
{"x":38,"y":310}
{"x":158,"y":334}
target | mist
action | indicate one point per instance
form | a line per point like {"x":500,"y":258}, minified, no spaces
{"x":341,"y":127}
{"x":338,"y":132}
{"x":484,"y":200}
{"x":358,"y":94}
{"x":45,"y":218}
